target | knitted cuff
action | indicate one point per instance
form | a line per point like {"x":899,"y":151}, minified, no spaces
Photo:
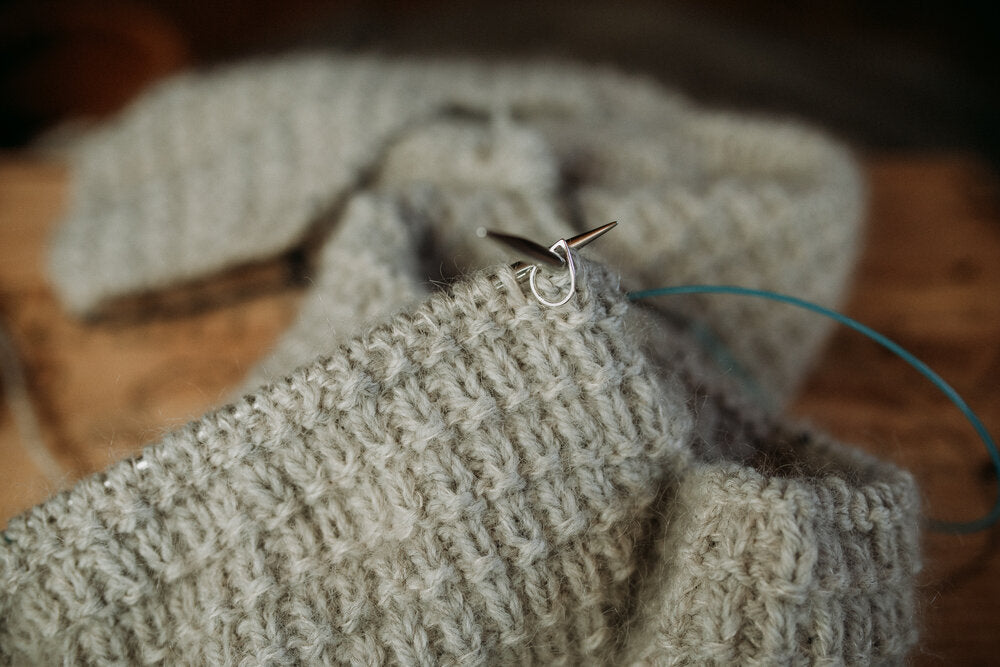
{"x":479,"y":480}
{"x":805,"y":556}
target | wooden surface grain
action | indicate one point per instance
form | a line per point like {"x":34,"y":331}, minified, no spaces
{"x":929,"y":278}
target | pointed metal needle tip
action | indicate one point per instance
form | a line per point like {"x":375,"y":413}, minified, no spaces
{"x":528,"y":248}
{"x":539,"y":252}
{"x":587,"y":237}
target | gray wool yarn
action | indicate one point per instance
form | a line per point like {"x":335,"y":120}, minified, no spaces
{"x":462,"y":475}
{"x":210,"y":170}
{"x":477,"y":479}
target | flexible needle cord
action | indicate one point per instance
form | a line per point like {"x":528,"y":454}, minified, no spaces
{"x":941,"y":526}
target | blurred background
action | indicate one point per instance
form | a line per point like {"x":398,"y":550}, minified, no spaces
{"x":885,"y":74}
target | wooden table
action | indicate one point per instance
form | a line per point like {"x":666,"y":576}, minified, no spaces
{"x":930,"y":279}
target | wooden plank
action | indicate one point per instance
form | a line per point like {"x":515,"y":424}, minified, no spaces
{"x":930,"y":279}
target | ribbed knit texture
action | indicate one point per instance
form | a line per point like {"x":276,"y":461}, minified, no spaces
{"x":462,"y":475}
{"x":210,"y":170}
{"x":477,"y":480}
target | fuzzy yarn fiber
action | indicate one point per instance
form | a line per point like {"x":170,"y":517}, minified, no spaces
{"x":481,"y":480}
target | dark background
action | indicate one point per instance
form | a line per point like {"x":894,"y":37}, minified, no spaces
{"x":892,"y":75}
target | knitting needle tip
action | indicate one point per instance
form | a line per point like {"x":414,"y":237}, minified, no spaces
{"x":539,"y":252}
{"x":583,"y":239}
{"x":528,"y":248}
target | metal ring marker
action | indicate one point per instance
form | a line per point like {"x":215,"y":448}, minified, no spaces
{"x":561,"y":245}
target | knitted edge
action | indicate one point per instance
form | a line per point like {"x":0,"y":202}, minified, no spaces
{"x":783,"y":562}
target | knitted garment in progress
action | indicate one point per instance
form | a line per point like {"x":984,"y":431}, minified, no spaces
{"x":210,"y":170}
{"x":466,"y":476}
{"x":479,"y":479}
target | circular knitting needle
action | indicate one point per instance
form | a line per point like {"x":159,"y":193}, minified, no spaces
{"x":536,"y":251}
{"x":527,"y":247}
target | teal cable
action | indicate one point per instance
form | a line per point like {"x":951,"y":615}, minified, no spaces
{"x":941,"y":526}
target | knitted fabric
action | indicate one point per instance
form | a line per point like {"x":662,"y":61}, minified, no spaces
{"x":467,"y":476}
{"x":478,"y":479}
{"x":210,"y":170}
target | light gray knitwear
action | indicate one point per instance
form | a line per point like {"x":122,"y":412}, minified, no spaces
{"x":211,"y":170}
{"x":476,"y":480}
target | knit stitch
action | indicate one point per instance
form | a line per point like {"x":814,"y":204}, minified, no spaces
{"x":478,"y":479}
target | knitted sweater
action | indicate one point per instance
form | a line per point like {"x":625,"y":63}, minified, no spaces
{"x":479,"y":480}
{"x":464,"y":475}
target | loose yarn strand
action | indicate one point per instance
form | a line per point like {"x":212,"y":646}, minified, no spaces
{"x":941,"y":526}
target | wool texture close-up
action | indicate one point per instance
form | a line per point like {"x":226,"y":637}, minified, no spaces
{"x":432,"y":466}
{"x":480,"y":480}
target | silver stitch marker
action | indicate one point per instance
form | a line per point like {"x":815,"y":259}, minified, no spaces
{"x":557,"y":255}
